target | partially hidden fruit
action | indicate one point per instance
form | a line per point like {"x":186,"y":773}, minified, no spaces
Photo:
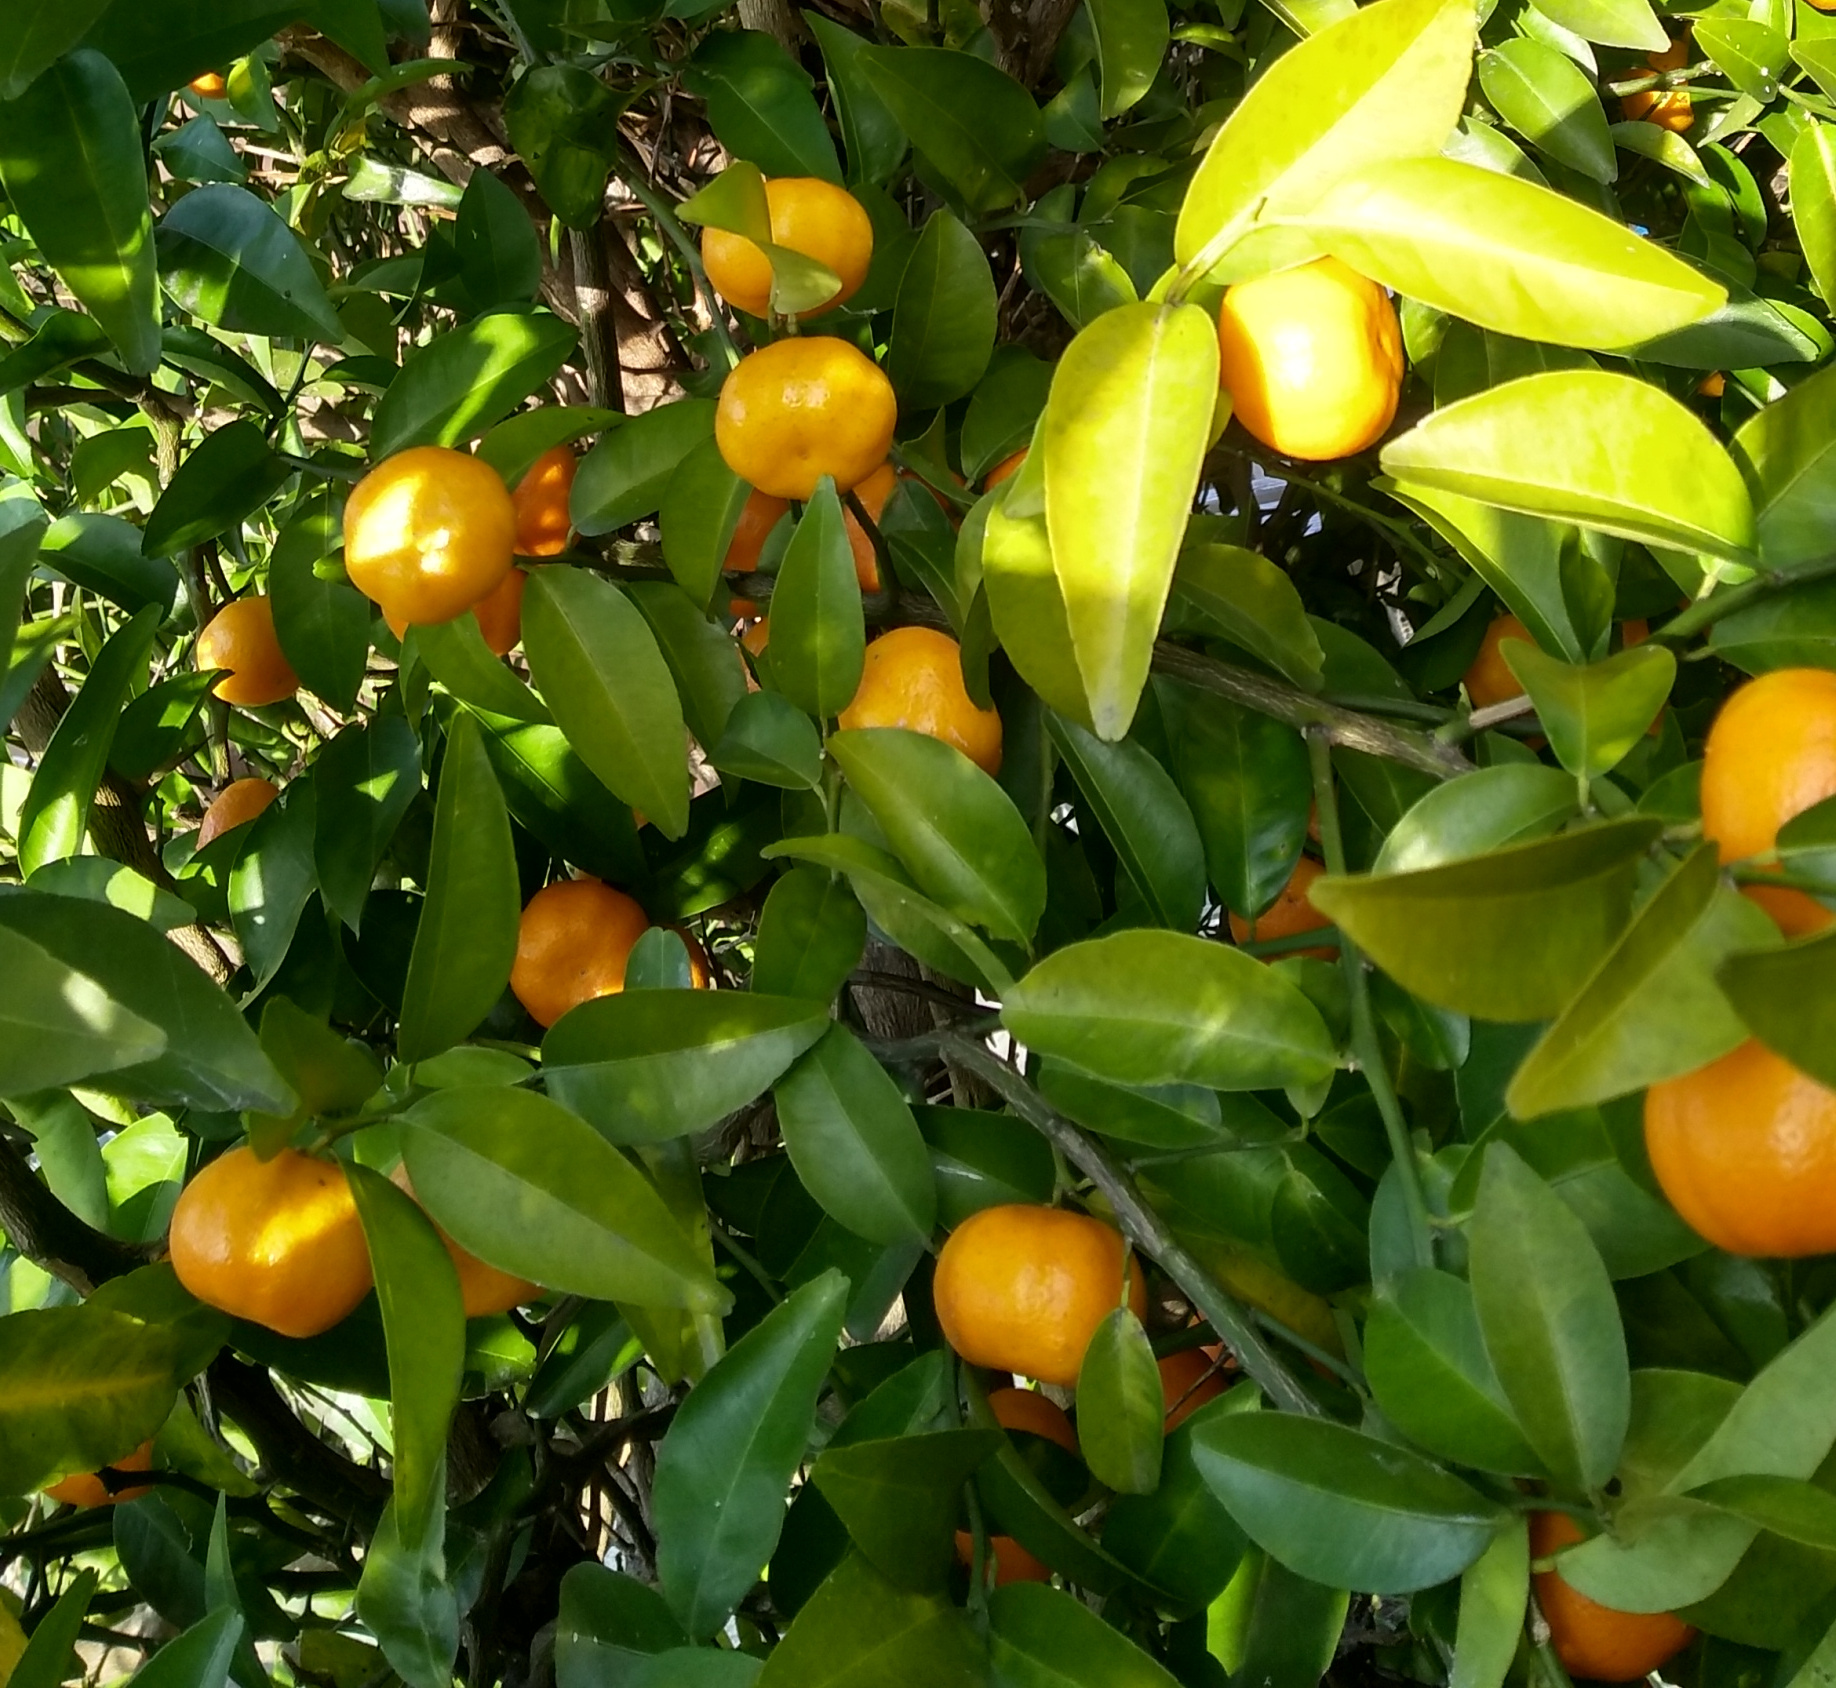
{"x":1796,"y":913}
{"x":1012,"y":1562}
{"x":236,"y":805}
{"x":1489,"y":680}
{"x":482,"y":1289}
{"x":241,"y":638}
{"x":758,"y":516}
{"x":572,"y":945}
{"x":1595,"y":1642}
{"x":1023,"y":1288}
{"x":275,"y":1242}
{"x":500,"y":613}
{"x":1771,"y":754}
{"x":757,"y":635}
{"x":808,"y":215}
{"x":428,"y":533}
{"x":1745,"y":1149}
{"x":1188,"y":1380}
{"x":210,"y":85}
{"x":87,"y":1489}
{"x":1312,"y":359}
{"x":800,"y":409}
{"x":1291,"y":913}
{"x":912,"y":677}
{"x":1028,"y":1410}
{"x":1002,"y":470}
{"x":1668,"y":108}
{"x":540,"y":501}
{"x":873,"y":494}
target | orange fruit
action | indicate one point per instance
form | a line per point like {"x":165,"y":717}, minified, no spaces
{"x":572,"y":945}
{"x":1745,"y":1148}
{"x":482,"y":1289}
{"x":500,"y":613}
{"x":236,"y":804}
{"x":241,"y":638}
{"x":800,"y":409}
{"x":1012,"y":1562}
{"x":1668,"y":108}
{"x":1291,"y":912}
{"x":1021,"y":1288}
{"x":540,"y":502}
{"x":1007,"y":466}
{"x":1595,"y":1642}
{"x":913,"y":678}
{"x":276,"y":1242}
{"x":757,"y":636}
{"x":1715,"y":383}
{"x":1312,"y":359}
{"x":210,"y":85}
{"x":873,"y":494}
{"x":86,"y":1489}
{"x":808,"y":215}
{"x":1188,"y":1380}
{"x":428,"y":533}
{"x":1490,"y":679}
{"x":758,"y":516}
{"x":1771,"y":754}
{"x":1796,"y":913}
{"x":1028,"y":1410}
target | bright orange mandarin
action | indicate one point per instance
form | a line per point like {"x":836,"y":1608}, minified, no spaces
{"x":1796,"y":913}
{"x":236,"y":805}
{"x":87,"y":1489}
{"x":1715,"y":383}
{"x":1028,"y":1410}
{"x":428,"y":533}
{"x":757,"y":635}
{"x":1188,"y":1380}
{"x":575,"y":938}
{"x":758,"y":516}
{"x":499,"y":613}
{"x":1771,"y":754}
{"x":276,"y":1242}
{"x":808,"y":215}
{"x":1012,"y":1562}
{"x":800,"y":409}
{"x":241,"y":638}
{"x":1312,"y":359}
{"x":540,"y":501}
{"x":1595,"y":1642}
{"x":482,"y":1289}
{"x":209,"y":86}
{"x":1023,"y":1288}
{"x":1006,"y":467}
{"x":873,"y":494}
{"x":913,"y":678}
{"x":1490,"y":679}
{"x":1668,"y":108}
{"x":1291,"y":912}
{"x":1745,"y":1148}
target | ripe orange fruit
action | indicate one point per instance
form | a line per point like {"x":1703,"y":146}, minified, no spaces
{"x":1796,"y":913}
{"x":757,"y":635}
{"x":1490,"y":679}
{"x":211,"y":85}
{"x":540,"y":501}
{"x":1668,"y":108}
{"x":1022,"y":1288}
{"x":1290,"y":913}
{"x":428,"y":533}
{"x":500,"y":613}
{"x":1012,"y":1562}
{"x":1595,"y":1642}
{"x":873,"y":494}
{"x":758,"y":516}
{"x":1007,"y":466}
{"x":276,"y":1242}
{"x":87,"y":1489}
{"x":1312,"y":359}
{"x":800,"y":409}
{"x":808,"y":215}
{"x":913,"y":678}
{"x":1745,"y":1148}
{"x":241,"y":638}
{"x":1028,"y":1410}
{"x":236,"y":804}
{"x":482,"y":1289}
{"x":572,"y":945}
{"x":1771,"y":754}
{"x":1188,"y":1380}
{"x":1715,"y":383}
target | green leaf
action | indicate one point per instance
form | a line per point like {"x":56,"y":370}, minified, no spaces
{"x":760,"y":105}
{"x":1787,"y":452}
{"x":1026,"y":602}
{"x":460,"y":383}
{"x":1275,"y":1627}
{"x":363,"y":783}
{"x":818,"y":635}
{"x":854,"y":1142}
{"x":321,"y":620}
{"x":723,"y":1469}
{"x":1165,"y":1008}
{"x":200,"y":1658}
{"x":1143,"y":815}
{"x":1750,"y":53}
{"x":1131,"y":40}
{"x":973,"y":123}
{"x":73,"y":168}
{"x":1254,"y":605}
{"x":512,"y":447}
{"x":58,"y":1027}
{"x":466,"y":940}
{"x":1042,"y":1637}
{"x":626,"y":475}
{"x":272,"y":880}
{"x":710,"y":674}
{"x":105,"y":554}
{"x":557,"y":115}
{"x":1544,"y":96}
{"x":1585,"y":446}
{"x":1082,"y":278}
{"x":598,"y":667}
{"x":702,"y":502}
{"x":526,"y":1185}
{"x":1165,"y":1116}
{"x":860,"y":1631}
{"x":1551,"y":1324}
{"x":457,"y":656}
{"x":811,"y":935}
{"x":653,"y":1065}
{"x":1511,"y":935}
{"x":98,"y":880}
{"x":1121,"y":1406}
{"x":1446,"y":233}
{"x":1124,"y":433}
{"x":1595,"y":713}
{"x":500,"y":260}
{"x":1487,"y":809}
{"x":871,"y":135}
{"x":952,"y":826}
{"x":55,"y":815}
{"x":1342,"y":1508}
{"x":900,"y":1496}
{"x":1386,"y":82}
{"x":770,"y":740}
{"x":1612,"y":23}
{"x":1494,"y":1592}
{"x":36,"y":33}
{"x":50,"y":1656}
{"x":1813,"y":201}
{"x":944,"y":318}
{"x":230,"y":475}
{"x":1653,"y":1011}
{"x":1783,"y":997}
{"x":61,"y":339}
{"x":225,"y":256}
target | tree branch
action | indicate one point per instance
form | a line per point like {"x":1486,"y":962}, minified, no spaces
{"x":53,"y":1238}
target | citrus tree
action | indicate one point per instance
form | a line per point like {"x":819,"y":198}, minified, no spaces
{"x":917,"y":845}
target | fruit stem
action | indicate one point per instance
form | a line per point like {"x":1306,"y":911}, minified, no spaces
{"x":1365,"y":1048}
